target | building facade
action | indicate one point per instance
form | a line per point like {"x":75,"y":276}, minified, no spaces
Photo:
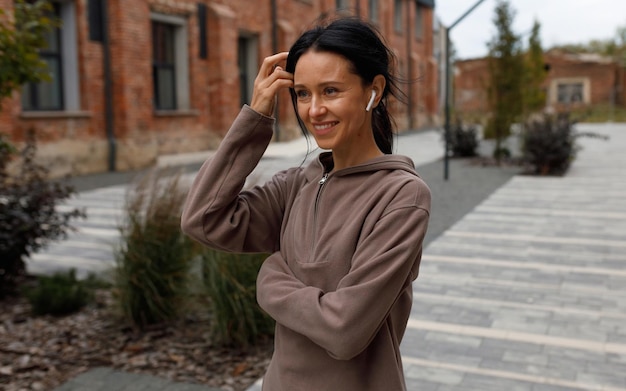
{"x":573,"y":81}
{"x":135,"y":80}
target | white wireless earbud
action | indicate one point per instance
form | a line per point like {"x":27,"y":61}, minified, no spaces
{"x":371,"y":102}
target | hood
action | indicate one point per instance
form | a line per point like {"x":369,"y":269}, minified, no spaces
{"x":324,"y":163}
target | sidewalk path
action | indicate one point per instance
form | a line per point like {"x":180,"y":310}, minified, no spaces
{"x":528,"y":291}
{"x":523,"y":288}
{"x":90,"y":249}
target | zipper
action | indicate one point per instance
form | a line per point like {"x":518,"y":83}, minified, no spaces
{"x":317,"y":199}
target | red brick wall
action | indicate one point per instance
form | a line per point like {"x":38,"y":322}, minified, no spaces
{"x":76,"y":143}
{"x":470,"y":80}
{"x":602,"y":75}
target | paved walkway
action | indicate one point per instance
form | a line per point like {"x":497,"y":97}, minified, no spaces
{"x":527,"y":291}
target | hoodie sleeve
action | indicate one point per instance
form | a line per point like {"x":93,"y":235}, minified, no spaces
{"x":346,"y":320}
{"x":217,"y":212}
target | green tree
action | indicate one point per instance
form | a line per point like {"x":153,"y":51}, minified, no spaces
{"x":535,"y":73}
{"x":29,"y":219}
{"x":22,"y":35}
{"x":506,"y":69}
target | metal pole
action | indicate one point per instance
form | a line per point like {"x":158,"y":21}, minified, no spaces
{"x":274,"y":15}
{"x":446,"y":159}
{"x":447,"y":124}
{"x":409,"y":65}
{"x":109,"y":114}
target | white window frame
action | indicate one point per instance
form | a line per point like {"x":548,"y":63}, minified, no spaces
{"x":554,"y":89}
{"x":181,"y":56}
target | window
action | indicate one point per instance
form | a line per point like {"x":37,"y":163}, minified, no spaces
{"x":170,"y":75}
{"x":60,"y":55}
{"x":397,"y":15}
{"x":247,"y":54}
{"x":373,"y":10}
{"x":570,"y":93}
{"x":163,"y":66}
{"x":342,"y":4}
{"x":419,"y":20}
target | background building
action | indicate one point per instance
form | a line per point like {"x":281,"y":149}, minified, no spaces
{"x":135,"y":80}
{"x":573,"y":82}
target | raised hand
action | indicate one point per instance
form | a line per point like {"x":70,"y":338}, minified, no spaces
{"x":270,"y":79}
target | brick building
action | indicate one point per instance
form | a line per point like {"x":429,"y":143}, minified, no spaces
{"x":573,"y":81}
{"x":135,"y":80}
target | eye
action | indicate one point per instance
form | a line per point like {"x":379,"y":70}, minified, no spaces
{"x":330,"y":91}
{"x":302,"y":94}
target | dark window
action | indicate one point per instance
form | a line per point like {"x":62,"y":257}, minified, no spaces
{"x":202,"y":30}
{"x":427,"y":3}
{"x":570,"y":93}
{"x":397,"y":15}
{"x":373,"y":10}
{"x":342,"y":4}
{"x":163,"y":66}
{"x":419,"y":20}
{"x":242,"y":57}
{"x":47,"y":95}
{"x":94,"y":12}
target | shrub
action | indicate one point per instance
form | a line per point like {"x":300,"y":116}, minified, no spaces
{"x":153,"y":259}
{"x":230,"y":282}
{"x":463,"y":140}
{"x":59,"y":294}
{"x":29,"y":219}
{"x":549,"y":144}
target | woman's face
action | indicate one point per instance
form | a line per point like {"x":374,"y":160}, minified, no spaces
{"x":331,"y":101}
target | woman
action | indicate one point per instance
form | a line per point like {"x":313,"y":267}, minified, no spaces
{"x":344,"y":232}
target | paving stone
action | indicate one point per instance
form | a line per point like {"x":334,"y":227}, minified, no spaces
{"x":534,"y":260}
{"x":434,"y":375}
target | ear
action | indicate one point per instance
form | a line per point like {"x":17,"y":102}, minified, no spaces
{"x":378,"y":84}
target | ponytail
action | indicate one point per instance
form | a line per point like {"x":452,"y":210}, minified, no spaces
{"x":382,"y":128}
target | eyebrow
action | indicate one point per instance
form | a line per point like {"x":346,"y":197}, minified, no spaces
{"x":322,"y":84}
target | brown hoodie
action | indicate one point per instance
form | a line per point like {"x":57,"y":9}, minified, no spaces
{"x":345,"y":249}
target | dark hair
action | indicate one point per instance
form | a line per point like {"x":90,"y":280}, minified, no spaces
{"x":362,"y":45}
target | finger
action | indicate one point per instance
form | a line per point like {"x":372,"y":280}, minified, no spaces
{"x":279,"y":74}
{"x":272,"y":83}
{"x":271,"y":61}
{"x":263,"y":99}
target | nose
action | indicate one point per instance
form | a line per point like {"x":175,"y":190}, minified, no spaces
{"x":317,"y":107}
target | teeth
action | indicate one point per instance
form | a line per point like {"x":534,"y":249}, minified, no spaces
{"x":324,"y":126}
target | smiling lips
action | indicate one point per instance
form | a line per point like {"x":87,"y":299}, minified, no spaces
{"x":323,"y":128}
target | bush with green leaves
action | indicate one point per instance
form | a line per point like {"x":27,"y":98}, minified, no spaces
{"x":22,"y":35}
{"x":152,"y":276}
{"x":29,"y":219}
{"x":230,"y":283}
{"x":59,"y":294}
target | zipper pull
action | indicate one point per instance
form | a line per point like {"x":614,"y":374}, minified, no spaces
{"x":324,"y":178}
